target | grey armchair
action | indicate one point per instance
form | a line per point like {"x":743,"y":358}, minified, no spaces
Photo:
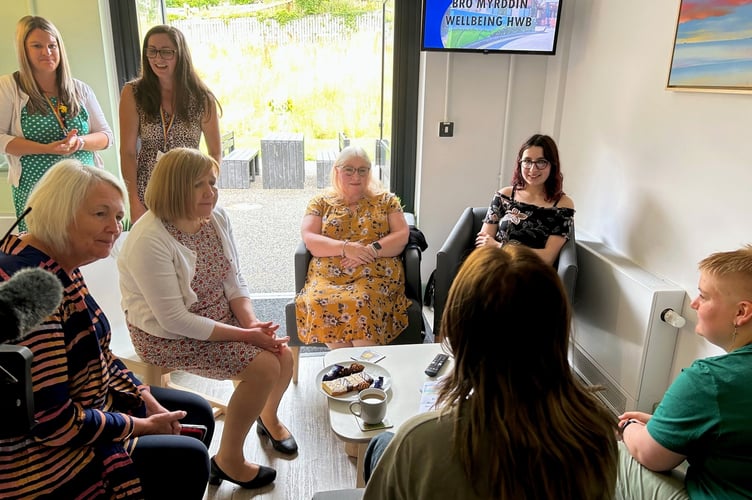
{"x":414,"y":332}
{"x":461,"y":241}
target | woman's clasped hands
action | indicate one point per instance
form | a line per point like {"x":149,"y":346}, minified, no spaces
{"x":66,"y":146}
{"x":355,"y":254}
{"x":482,"y":239}
{"x":264,"y":334}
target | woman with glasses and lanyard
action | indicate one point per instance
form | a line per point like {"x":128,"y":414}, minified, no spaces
{"x":167,"y":106}
{"x":354,"y":293}
{"x":533,"y":211}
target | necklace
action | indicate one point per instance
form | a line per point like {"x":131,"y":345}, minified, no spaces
{"x":60,"y":111}
{"x":166,"y":126}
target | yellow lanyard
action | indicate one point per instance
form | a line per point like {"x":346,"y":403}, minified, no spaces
{"x":165,"y":128}
{"x":55,"y":111}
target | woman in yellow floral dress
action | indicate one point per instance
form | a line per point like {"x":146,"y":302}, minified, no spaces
{"x":354,"y":293}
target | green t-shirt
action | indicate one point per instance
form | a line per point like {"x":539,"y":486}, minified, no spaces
{"x":706,"y":415}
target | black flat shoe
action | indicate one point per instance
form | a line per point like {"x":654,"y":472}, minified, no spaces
{"x":287,"y":446}
{"x":265,"y":476}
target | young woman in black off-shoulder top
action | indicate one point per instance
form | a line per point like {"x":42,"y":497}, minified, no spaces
{"x":533,"y":211}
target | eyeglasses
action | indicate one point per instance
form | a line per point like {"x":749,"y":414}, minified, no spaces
{"x":166,"y":54}
{"x":350,"y":171}
{"x":540,"y":164}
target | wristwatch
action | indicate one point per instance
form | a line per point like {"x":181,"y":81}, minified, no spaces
{"x":376,"y":247}
{"x":625,"y":424}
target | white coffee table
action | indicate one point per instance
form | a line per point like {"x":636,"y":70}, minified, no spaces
{"x":405,"y":364}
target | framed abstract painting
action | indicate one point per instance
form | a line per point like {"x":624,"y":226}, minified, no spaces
{"x":712,"y":47}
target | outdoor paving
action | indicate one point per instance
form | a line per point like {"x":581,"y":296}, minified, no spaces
{"x":266,"y":226}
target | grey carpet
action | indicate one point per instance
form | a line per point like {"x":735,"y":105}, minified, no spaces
{"x":273,"y":309}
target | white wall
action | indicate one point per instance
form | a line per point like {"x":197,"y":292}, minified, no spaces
{"x":663,"y":177}
{"x":495,"y":101}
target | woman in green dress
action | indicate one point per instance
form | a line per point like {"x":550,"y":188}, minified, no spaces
{"x":45,"y":114}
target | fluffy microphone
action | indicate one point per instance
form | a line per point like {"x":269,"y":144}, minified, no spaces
{"x":25,"y":300}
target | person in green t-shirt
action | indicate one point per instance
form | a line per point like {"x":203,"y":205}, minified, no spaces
{"x":704,"y":416}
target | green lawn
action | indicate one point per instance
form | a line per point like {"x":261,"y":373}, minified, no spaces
{"x":317,"y":89}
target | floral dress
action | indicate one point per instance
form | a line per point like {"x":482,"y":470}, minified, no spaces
{"x":216,"y":360}
{"x":365,"y":302}
{"x":151,"y":131}
{"x":527,"y":224}
{"x":45,"y":129}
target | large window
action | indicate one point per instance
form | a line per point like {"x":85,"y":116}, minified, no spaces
{"x":394,"y":118}
{"x":321,"y":75}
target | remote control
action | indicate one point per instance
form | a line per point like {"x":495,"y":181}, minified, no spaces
{"x":435,"y":367}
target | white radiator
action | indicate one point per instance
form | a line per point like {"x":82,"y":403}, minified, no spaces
{"x":620,"y":341}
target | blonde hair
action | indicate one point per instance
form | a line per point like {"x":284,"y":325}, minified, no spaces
{"x":524,"y":427}
{"x":25,"y":77}
{"x":169,"y":193}
{"x":735,"y":265}
{"x":373,"y":187}
{"x":57,"y":197}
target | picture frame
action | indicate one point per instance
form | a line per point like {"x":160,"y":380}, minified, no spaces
{"x":712,"y":43}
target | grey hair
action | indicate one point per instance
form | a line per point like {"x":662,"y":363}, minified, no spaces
{"x":57,"y":197}
{"x":374,"y":186}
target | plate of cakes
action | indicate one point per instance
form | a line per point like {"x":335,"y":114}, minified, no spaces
{"x":344,"y":380}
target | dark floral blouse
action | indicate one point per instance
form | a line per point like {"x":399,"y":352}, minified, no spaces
{"x":527,"y":224}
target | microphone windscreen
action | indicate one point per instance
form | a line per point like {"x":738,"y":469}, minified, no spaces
{"x":26,"y":299}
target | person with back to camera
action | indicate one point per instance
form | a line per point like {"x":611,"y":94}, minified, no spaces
{"x":166,"y":107}
{"x":533,"y":211}
{"x":704,"y":416}
{"x":45,"y":114}
{"x":511,"y":421}
{"x":189,"y":308}
{"x":101,"y":433}
{"x":355,"y":289}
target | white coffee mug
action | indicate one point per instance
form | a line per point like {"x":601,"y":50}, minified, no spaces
{"x":370,"y":406}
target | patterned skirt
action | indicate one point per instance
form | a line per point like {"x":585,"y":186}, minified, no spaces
{"x":215,"y":360}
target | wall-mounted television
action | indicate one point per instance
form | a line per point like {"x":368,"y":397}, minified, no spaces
{"x":491,"y":26}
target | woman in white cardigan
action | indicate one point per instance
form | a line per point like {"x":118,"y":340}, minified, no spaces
{"x":45,"y":114}
{"x":188,"y":308}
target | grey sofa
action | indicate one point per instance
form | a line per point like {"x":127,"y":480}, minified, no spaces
{"x":461,"y":241}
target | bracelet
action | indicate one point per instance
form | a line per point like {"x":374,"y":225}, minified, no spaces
{"x":630,"y":421}
{"x":343,"y":248}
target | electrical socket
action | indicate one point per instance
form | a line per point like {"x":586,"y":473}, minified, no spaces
{"x":446,"y":129}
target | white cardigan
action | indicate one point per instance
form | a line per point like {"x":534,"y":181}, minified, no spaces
{"x":155,"y":279}
{"x":12,"y":102}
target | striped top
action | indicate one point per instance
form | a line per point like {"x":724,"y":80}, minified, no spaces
{"x":83,"y":395}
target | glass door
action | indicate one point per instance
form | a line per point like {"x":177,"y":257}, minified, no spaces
{"x":321,"y":71}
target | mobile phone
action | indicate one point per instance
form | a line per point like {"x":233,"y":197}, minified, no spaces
{"x":194,"y":430}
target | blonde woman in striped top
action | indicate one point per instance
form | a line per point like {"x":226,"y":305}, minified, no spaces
{"x":100,"y":432}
